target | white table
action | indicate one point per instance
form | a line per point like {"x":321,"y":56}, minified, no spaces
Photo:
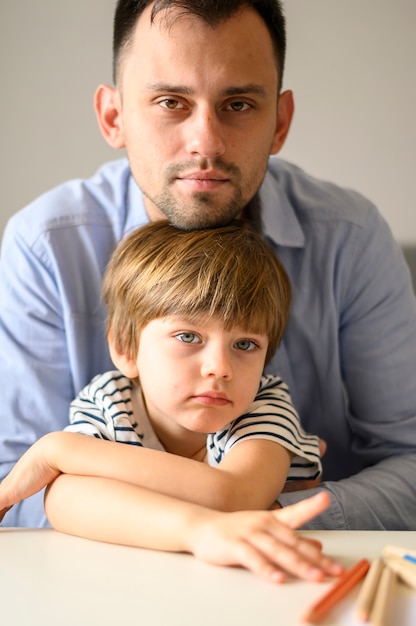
{"x":51,"y":579}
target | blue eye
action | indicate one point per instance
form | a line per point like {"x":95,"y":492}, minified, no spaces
{"x":188,"y":337}
{"x":245,"y":344}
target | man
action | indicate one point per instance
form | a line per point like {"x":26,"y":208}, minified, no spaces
{"x":198,"y":106}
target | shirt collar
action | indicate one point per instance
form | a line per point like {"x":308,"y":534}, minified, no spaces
{"x":278,"y":217}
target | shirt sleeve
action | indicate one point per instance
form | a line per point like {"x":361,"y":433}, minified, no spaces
{"x":377,"y":498}
{"x":44,"y":331}
{"x":103,"y":409}
{"x":33,"y":359}
{"x":52,"y":319}
{"x":378,"y":348}
{"x":378,"y":358}
{"x":272,"y":416}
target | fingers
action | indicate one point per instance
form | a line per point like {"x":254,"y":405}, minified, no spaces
{"x":263,"y":544}
{"x":251,"y":558}
{"x":273,"y":559}
{"x":314,"y":542}
{"x":298,"y":514}
{"x":5,"y":501}
{"x":3,"y":512}
{"x":279,"y":551}
{"x":273,"y":548}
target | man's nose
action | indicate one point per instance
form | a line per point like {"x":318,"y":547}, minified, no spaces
{"x":205,"y":134}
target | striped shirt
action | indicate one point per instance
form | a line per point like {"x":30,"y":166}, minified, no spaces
{"x":111,"y":407}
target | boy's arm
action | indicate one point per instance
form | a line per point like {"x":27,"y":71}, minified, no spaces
{"x":253,"y":465}
{"x":118,"y":512}
{"x":250,"y":476}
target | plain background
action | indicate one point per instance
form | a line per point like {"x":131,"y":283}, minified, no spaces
{"x":351,"y":66}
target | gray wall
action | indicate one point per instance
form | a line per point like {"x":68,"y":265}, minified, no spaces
{"x":351,"y":66}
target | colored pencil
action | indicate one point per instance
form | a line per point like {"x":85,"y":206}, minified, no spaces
{"x":405,"y":570}
{"x":337,"y":592}
{"x":399,"y":551}
{"x":382,"y":601}
{"x":368,"y":590}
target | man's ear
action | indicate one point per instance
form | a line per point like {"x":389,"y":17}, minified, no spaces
{"x":285,"y":110}
{"x":107,"y":106}
{"x":123,"y":363}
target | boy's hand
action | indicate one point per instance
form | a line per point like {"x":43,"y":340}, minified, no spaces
{"x":31,"y":473}
{"x":264,"y":542}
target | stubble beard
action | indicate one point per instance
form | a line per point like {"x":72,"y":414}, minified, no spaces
{"x":200,"y":212}
{"x":201,"y":209}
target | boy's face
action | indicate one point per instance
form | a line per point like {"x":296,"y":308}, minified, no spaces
{"x":195,"y":376}
{"x":197,"y":109}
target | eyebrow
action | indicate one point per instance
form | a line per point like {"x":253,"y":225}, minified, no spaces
{"x":253,"y":88}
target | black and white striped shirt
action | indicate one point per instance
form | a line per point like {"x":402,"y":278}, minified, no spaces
{"x":112,"y":408}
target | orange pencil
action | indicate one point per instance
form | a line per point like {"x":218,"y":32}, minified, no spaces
{"x":340,"y":589}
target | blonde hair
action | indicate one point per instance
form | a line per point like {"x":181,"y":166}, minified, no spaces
{"x":228,"y":273}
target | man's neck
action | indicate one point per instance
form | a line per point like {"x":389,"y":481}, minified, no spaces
{"x":252,"y":213}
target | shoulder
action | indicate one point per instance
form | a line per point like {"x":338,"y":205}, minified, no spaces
{"x":272,"y":386}
{"x":104,"y":409}
{"x":313,"y":199}
{"x":107,"y":388}
{"x":323,"y":220}
{"x":77,"y":202}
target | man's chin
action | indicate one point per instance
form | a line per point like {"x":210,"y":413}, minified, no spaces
{"x":201,"y":222}
{"x":201,"y":214}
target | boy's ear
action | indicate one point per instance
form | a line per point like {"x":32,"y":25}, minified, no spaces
{"x":107,"y":106}
{"x":124,"y":364}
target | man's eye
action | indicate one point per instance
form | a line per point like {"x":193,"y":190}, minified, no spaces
{"x":245,"y":344}
{"x":239,"y":106}
{"x":170,"y":103}
{"x":188,"y":337}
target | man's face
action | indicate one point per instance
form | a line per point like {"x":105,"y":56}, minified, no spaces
{"x":198,"y":115}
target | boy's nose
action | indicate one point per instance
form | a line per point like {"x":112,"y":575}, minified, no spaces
{"x":217,"y":364}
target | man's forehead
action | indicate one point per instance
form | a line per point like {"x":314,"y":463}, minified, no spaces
{"x":187,"y":42}
{"x":166,"y":18}
{"x":172,"y":23}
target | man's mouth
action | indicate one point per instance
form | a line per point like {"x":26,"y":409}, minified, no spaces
{"x":203,"y":180}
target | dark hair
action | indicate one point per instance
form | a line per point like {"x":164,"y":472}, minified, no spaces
{"x":211,"y":11}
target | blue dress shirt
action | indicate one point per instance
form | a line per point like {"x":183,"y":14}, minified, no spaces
{"x":348,"y":354}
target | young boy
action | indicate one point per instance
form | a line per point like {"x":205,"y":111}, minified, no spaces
{"x":192,"y":319}
{"x":170,"y":296}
